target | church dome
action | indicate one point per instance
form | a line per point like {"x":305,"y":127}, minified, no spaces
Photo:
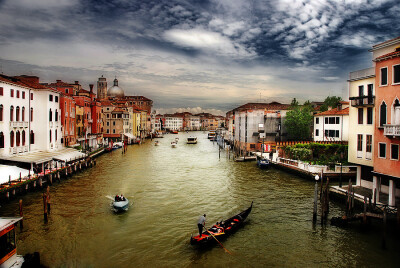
{"x":115,"y":90}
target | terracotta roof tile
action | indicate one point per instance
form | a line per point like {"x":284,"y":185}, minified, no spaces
{"x":334,"y":112}
{"x":391,"y":54}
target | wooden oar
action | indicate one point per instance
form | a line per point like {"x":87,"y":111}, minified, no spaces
{"x":218,"y":242}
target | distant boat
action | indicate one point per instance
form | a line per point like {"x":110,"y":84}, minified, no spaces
{"x":191,"y":140}
{"x":263,"y":163}
{"x":211,"y":134}
{"x":157,"y":143}
{"x":176,"y":140}
{"x":174,"y":132}
{"x":173,"y":144}
{"x":117,"y":145}
{"x":120,"y":206}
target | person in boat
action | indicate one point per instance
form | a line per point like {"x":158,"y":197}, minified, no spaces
{"x":122,"y":198}
{"x":117,"y":198}
{"x":201,"y":223}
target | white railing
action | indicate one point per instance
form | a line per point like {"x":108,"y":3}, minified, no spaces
{"x":18,"y":124}
{"x":359,"y":154}
{"x":13,"y":150}
{"x":368,"y":155}
{"x":391,"y":130}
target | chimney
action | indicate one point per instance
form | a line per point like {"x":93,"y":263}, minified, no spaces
{"x":76,"y":82}
{"x":91,"y":88}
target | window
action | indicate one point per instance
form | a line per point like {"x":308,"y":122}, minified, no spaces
{"x":337,"y":120}
{"x":317,"y":132}
{"x":396,"y":74}
{"x":18,"y":94}
{"x":31,"y":96}
{"x":108,"y":124}
{"x":360,"y":115}
{"x":12,"y":93}
{"x":331,"y":120}
{"x":32,"y":137}
{"x":50,"y":135}
{"x":326,"y":120}
{"x":56,"y":116}
{"x":1,"y":112}
{"x":382,"y":114}
{"x":359,"y":142}
{"x":384,"y":78}
{"x":1,"y":140}
{"x":113,"y":130}
{"x":12,"y":139}
{"x":23,"y":137}
{"x":369,"y":115}
{"x":382,"y":150}
{"x":369,"y":144}
{"x":56,"y":98}
{"x":360,"y":91}
{"x":108,"y":131}
{"x":12,"y":113}
{"x":55,"y":135}
{"x":23,"y":114}
{"x":50,"y":97}
{"x":1,"y":91}
{"x":50,"y":115}
{"x":17,"y":114}
{"x":394,"y":151}
{"x":336,"y":133}
{"x":23,"y":94}
{"x":31,"y":114}
{"x":113,"y":123}
{"x":66,"y":90}
{"x":18,"y":138}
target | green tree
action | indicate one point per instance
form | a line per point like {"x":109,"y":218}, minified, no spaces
{"x":330,"y":101}
{"x":298,"y":122}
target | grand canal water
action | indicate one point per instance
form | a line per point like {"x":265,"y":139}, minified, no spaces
{"x":170,"y":188}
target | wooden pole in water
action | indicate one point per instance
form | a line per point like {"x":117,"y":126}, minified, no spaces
{"x":384,"y":229}
{"x":365,"y":211}
{"x":21,"y":214}
{"x":44,"y":207}
{"x":315,"y":201}
{"x":48,"y":201}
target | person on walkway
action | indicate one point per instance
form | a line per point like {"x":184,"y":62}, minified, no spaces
{"x":201,"y":223}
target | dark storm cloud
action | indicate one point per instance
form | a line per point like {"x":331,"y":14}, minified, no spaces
{"x":176,"y":46}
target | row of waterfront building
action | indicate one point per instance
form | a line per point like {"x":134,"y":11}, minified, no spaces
{"x":369,"y":122}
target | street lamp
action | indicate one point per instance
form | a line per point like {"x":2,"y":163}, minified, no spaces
{"x":315,"y":198}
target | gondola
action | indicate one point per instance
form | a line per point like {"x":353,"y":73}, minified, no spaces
{"x":221,"y":229}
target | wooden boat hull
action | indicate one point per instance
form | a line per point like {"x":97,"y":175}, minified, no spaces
{"x":228,"y":226}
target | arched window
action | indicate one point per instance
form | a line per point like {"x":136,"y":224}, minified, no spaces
{"x":23,"y":137}
{"x":50,"y":136}
{"x":18,"y":138}
{"x":56,"y":117}
{"x":12,"y":113}
{"x":50,"y":115}
{"x":23,"y":114}
{"x":396,"y":113}
{"x":12,"y":139}
{"x":1,"y":140}
{"x":382,"y":120}
{"x":31,"y":114}
{"x":32,"y":137}
{"x":55,"y":136}
{"x":1,"y":112}
{"x":17,"y":114}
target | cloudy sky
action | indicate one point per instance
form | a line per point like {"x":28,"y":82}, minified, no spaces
{"x":210,"y":55}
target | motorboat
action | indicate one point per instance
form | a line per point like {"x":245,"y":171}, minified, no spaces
{"x":173,"y":144}
{"x":117,"y":145}
{"x":174,"y":132}
{"x":192,"y":140}
{"x":262,"y":163}
{"x":156,"y":143}
{"x":176,"y":140}
{"x":221,"y":229}
{"x":211,"y":135}
{"x":121,"y":205}
{"x":8,"y":246}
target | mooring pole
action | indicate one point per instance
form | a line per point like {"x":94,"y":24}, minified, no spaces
{"x":21,"y":214}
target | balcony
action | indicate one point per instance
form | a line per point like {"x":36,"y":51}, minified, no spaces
{"x":391,"y":130}
{"x":18,"y":149}
{"x":362,"y":74}
{"x":15,"y":124}
{"x":362,"y":101}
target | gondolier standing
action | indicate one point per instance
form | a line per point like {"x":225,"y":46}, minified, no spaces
{"x":201,"y":223}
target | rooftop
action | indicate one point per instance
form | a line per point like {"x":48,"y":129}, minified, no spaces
{"x":335,"y":111}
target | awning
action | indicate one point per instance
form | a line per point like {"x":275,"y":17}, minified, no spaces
{"x":129,"y":135}
{"x":13,"y":171}
{"x":39,"y":157}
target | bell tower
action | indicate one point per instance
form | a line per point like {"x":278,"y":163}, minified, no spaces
{"x":102,"y":88}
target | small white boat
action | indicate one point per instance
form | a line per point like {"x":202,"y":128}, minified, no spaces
{"x":173,"y":144}
{"x":192,"y":140}
{"x":121,"y":205}
{"x":157,"y":143}
{"x":176,"y":140}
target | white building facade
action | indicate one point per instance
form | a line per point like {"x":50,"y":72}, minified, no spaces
{"x":332,"y":125}
{"x":173,"y":123}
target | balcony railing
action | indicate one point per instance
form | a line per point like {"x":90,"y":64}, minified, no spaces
{"x":362,"y":101}
{"x":391,"y":130}
{"x":18,"y":124}
{"x":18,"y":149}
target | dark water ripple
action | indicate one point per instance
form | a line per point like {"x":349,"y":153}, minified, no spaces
{"x":169,"y":189}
